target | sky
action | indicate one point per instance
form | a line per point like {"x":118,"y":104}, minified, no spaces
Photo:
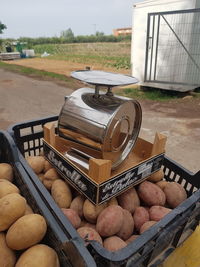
{"x":47,"y":18}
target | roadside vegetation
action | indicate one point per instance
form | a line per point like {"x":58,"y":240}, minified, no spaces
{"x":99,"y":50}
{"x":42,"y":75}
{"x":148,"y":93}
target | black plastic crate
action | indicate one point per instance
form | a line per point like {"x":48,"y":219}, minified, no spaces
{"x":154,"y":245}
{"x":55,"y":237}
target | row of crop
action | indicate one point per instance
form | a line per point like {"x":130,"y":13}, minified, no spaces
{"x":109,"y":49}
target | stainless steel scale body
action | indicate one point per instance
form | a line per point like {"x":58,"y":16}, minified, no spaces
{"x":99,"y":120}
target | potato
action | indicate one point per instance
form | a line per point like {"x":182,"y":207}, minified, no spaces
{"x":7,"y":255}
{"x":140,"y":216}
{"x":127,"y":227}
{"x":6,"y":171}
{"x":51,"y":174}
{"x":47,"y":166}
{"x":7,"y":188}
{"x":87,"y":224}
{"x":88,"y":233}
{"x":41,"y":153}
{"x":156,"y":176}
{"x":41,"y":177}
{"x":129,"y":200}
{"x":131,"y":239}
{"x":28,"y":210}
{"x":146,"y":226}
{"x":36,"y":163}
{"x":26,"y":231}
{"x":49,"y":177}
{"x":162,"y":184}
{"x":61,"y":193}
{"x":175,"y":194}
{"x":114,"y":243}
{"x":4,"y":180}
{"x":77,"y":205}
{"x":151,"y":194}
{"x":73,"y":217}
{"x":112,"y":201}
{"x":156,"y":213}
{"x":12,"y":207}
{"x":110,"y":220}
{"x":38,"y":255}
{"x":91,"y":211}
{"x":48,"y":184}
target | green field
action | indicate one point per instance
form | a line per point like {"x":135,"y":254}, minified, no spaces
{"x":115,"y":55}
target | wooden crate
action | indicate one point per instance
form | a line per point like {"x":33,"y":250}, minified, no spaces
{"x":100,"y":182}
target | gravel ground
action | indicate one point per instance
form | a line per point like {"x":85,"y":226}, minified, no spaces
{"x":23,"y":98}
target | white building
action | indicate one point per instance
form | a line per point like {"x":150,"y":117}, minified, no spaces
{"x":173,"y":53}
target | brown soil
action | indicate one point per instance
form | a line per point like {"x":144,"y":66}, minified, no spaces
{"x":59,"y":66}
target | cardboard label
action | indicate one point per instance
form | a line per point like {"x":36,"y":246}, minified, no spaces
{"x":104,"y":191}
{"x":131,"y":177}
{"x":72,"y":175}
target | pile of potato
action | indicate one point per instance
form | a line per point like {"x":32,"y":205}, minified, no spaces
{"x":122,"y":219}
{"x":21,"y":230}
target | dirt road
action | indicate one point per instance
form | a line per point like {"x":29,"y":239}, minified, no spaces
{"x":23,"y":98}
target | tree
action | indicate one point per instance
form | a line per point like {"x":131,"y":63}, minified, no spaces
{"x":67,"y":34}
{"x":99,"y":33}
{"x":2,"y":27}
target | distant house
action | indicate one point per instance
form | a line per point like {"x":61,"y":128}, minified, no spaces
{"x":122,"y":31}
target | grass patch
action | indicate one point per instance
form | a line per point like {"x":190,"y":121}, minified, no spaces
{"x":107,"y":61}
{"x":40,"y":74}
{"x":114,"y":55}
{"x":154,"y":94}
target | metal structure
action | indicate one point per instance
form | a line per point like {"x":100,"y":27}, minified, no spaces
{"x":173,"y":47}
{"x":107,"y":124}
